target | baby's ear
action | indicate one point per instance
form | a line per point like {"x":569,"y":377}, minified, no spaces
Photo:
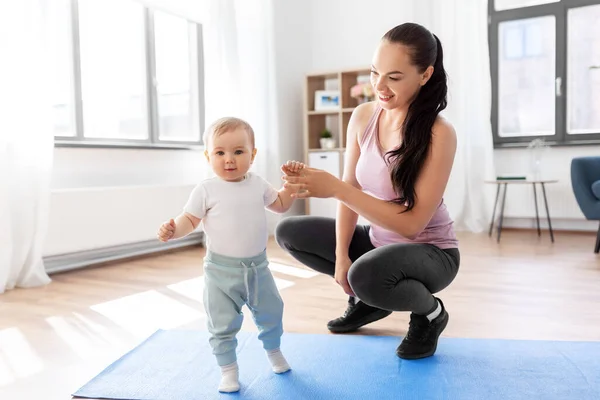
{"x":206,"y":155}
{"x":253,"y":154}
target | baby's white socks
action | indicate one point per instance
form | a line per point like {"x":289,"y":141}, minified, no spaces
{"x":278,"y":361}
{"x":230,"y":373}
{"x":230,"y":376}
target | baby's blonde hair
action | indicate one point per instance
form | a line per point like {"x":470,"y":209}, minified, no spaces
{"x":227,"y":124}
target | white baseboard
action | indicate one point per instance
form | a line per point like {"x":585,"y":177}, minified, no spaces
{"x":82,"y":259}
{"x":558,"y":224}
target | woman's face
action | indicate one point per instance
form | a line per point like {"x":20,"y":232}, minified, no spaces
{"x":395,"y":80}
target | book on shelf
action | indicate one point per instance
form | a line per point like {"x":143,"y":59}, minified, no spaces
{"x":511,"y":178}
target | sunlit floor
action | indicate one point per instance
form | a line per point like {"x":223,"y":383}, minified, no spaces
{"x":54,"y":339}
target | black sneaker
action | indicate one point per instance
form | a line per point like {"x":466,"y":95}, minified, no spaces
{"x":422,"y":336}
{"x":356,"y":315}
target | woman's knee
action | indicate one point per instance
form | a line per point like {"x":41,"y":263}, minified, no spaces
{"x":362,"y":280}
{"x":284,"y":231}
{"x":305,"y":232}
{"x":371,"y":283}
{"x":290,"y":231}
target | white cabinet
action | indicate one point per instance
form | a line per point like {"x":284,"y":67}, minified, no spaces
{"x":328,"y":161}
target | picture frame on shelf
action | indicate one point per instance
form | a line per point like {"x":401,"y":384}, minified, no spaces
{"x":327,"y":100}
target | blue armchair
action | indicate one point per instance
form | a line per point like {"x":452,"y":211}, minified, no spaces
{"x":585,"y":178}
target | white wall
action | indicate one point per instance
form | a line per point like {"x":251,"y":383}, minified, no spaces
{"x":556,"y":164}
{"x":345,"y":32}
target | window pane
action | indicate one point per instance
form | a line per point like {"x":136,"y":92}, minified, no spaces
{"x":526,"y":72}
{"x":61,"y":67}
{"x":583,"y":69}
{"x":508,"y":4}
{"x":113,"y":69}
{"x":176,"y":76}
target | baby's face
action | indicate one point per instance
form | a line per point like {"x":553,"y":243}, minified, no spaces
{"x":231,"y":154}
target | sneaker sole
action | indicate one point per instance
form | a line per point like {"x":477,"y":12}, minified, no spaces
{"x":351,"y":328}
{"x":429,"y":353}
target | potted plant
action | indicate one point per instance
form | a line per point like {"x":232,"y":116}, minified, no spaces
{"x":327,"y":141}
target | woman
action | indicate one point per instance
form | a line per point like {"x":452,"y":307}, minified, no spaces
{"x":398,"y":160}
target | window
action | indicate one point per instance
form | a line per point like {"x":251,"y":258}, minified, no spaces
{"x":61,"y":69}
{"x":583,"y":70}
{"x":545,"y":62}
{"x":125,"y":75}
{"x":176,"y":78}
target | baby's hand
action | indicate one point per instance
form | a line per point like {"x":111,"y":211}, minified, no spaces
{"x":166,"y":231}
{"x":292,"y":167}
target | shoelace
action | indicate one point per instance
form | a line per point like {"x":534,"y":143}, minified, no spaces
{"x":418,"y":330}
{"x":350,"y":308}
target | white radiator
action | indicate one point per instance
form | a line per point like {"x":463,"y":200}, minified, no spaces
{"x":97,"y":218}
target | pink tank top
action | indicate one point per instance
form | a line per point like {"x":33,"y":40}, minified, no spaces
{"x":373,"y":174}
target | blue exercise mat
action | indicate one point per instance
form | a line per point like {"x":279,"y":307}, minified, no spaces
{"x":178,"y":365}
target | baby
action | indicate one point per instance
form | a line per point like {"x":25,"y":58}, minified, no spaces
{"x":231,"y":207}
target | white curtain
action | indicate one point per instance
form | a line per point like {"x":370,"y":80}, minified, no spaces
{"x":239,"y":71}
{"x":26,"y":144}
{"x":463,"y":32}
{"x":240,"y":79}
{"x":256,"y":49}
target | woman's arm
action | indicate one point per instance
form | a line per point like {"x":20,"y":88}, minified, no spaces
{"x":429,"y":189}
{"x":345,"y":222}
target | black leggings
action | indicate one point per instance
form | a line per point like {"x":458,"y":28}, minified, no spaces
{"x":396,"y":277}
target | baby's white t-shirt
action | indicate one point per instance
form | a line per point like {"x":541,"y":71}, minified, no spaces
{"x":233,"y":214}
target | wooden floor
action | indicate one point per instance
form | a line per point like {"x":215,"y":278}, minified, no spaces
{"x":54,"y":339}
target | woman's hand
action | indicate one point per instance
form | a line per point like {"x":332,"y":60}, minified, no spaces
{"x":312,"y":182}
{"x":342,"y":266}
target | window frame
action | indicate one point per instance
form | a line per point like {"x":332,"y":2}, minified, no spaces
{"x":560,"y":12}
{"x":152,"y":113}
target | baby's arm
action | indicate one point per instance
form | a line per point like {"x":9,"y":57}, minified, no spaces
{"x":284,"y":199}
{"x":189,"y":219}
{"x":184,"y":224}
